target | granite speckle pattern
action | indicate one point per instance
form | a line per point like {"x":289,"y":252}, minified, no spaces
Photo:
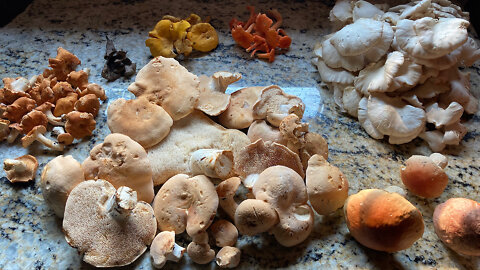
{"x":31,"y":236}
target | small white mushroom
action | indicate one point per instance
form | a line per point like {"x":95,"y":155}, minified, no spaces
{"x":363,"y":9}
{"x":36,"y":134}
{"x":165,"y":249}
{"x":434,"y":139}
{"x":212,"y":163}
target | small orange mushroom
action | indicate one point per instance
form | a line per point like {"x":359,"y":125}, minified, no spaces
{"x":79,"y":124}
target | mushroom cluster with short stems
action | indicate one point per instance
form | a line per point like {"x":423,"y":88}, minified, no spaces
{"x":61,"y":97}
{"x":397,"y":69}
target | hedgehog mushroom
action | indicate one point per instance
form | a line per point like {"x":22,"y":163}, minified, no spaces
{"x":123,"y":162}
{"x":224,"y":233}
{"x":255,"y":216}
{"x":108,"y":227}
{"x":168,"y":84}
{"x":228,"y":257}
{"x":212,"y":99}
{"x":423,"y":176}
{"x":285,"y":190}
{"x":226,"y":193}
{"x":239,"y":114}
{"x":20,"y":169}
{"x":165,"y":249}
{"x":59,"y":177}
{"x":143,"y":121}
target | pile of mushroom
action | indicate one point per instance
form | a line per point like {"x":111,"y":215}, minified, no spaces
{"x":397,"y":69}
{"x":61,"y":97}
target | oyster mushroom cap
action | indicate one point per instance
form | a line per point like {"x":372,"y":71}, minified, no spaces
{"x":107,"y":226}
{"x":274,"y":105}
{"x":341,"y":11}
{"x":168,"y":84}
{"x":350,"y":100}
{"x":239,"y":114}
{"x":392,"y":116}
{"x":327,"y":186}
{"x":165,"y":249}
{"x":143,"y":121}
{"x":358,"y":37}
{"x":365,"y":120}
{"x":123,"y":162}
{"x":363,"y":9}
{"x":383,"y":221}
{"x":184,"y":203}
{"x":442,"y":117}
{"x":59,"y":177}
{"x":255,"y":216}
{"x":456,"y":223}
{"x":334,"y":75}
{"x":20,"y":169}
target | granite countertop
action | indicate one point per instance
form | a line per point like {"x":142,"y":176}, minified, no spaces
{"x":31,"y":235}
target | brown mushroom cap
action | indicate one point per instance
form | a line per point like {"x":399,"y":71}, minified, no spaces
{"x":457,"y":224}
{"x":167,"y":83}
{"x":61,"y":90}
{"x":186,"y":203}
{"x":92,"y":224}
{"x":224,"y":233}
{"x":123,"y":162}
{"x":143,"y":121}
{"x":383,"y":221}
{"x":65,"y":105}
{"x":65,"y":138}
{"x":64,"y":63}
{"x":228,"y":257}
{"x":79,"y":124}
{"x":260,"y":155}
{"x":239,"y":114}
{"x":15,"y":111}
{"x":88,"y":103}
{"x":78,"y":79}
{"x":20,"y":169}
{"x":165,"y":249}
{"x":423,"y":177}
{"x":274,"y":105}
{"x":59,"y":177}
{"x":32,"y":119}
{"x":327,"y":187}
{"x":255,"y":216}
{"x":314,"y":144}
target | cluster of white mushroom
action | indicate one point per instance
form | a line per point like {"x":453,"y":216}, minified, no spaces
{"x":397,"y":69}
{"x":111,"y":214}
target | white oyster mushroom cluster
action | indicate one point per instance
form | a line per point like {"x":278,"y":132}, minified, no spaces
{"x":396,"y":69}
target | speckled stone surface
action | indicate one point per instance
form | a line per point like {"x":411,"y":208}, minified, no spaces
{"x":31,"y":236}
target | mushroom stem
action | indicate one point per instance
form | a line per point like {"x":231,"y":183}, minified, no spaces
{"x":57,"y":131}
{"x":15,"y":165}
{"x":49,"y":143}
{"x":13,"y":135}
{"x":122,"y":203}
{"x":56,"y":121}
{"x":176,"y":254}
{"x":212,"y":163}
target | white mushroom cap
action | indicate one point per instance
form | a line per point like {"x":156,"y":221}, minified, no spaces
{"x":123,"y":162}
{"x":350,"y":100}
{"x":365,"y":121}
{"x":104,"y":236}
{"x":327,"y":186}
{"x":212,"y":163}
{"x":165,"y":249}
{"x":168,"y":84}
{"x":341,"y":11}
{"x":443,"y":117}
{"x":228,"y":257}
{"x":434,"y":139}
{"x":363,"y":9}
{"x":184,"y":203}
{"x":358,"y":37}
{"x":454,"y":133}
{"x":439,"y":159}
{"x":59,"y":177}
{"x":140,"y":119}
{"x":333,"y":75}
{"x":259,"y":129}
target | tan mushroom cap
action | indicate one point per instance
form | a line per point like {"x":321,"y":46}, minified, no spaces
{"x":200,"y":253}
{"x":226,"y":192}
{"x":20,"y":169}
{"x":423,"y":177}
{"x":228,"y":257}
{"x":123,"y":162}
{"x":32,"y":119}
{"x":255,"y":216}
{"x":197,"y":131}
{"x":79,"y":124}
{"x":457,"y":224}
{"x":260,"y":155}
{"x":88,"y":103}
{"x":274,"y":105}
{"x":285,"y":190}
{"x":224,"y":233}
{"x":239,"y":114}
{"x":383,"y":221}
{"x":314,"y":144}
{"x":259,"y":129}
{"x":184,"y":203}
{"x":143,"y":121}
{"x":59,"y":177}
{"x":93,"y":224}
{"x":327,"y":186}
{"x":212,"y":99}
{"x":165,"y":249}
{"x":168,"y":84}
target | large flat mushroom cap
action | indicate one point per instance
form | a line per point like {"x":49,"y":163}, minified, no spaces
{"x":171,"y":156}
{"x":358,"y":37}
{"x":123,"y":162}
{"x":168,"y":84}
{"x":103,"y":240}
{"x":141,"y":120}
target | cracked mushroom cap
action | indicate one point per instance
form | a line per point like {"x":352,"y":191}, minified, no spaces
{"x":239,"y":114}
{"x":184,"y":203}
{"x":255,"y":216}
{"x":213,"y":100}
{"x":143,"y":121}
{"x":423,"y":176}
{"x":285,"y":190}
{"x":327,"y":186}
{"x":107,"y":226}
{"x":20,"y":169}
{"x":228,"y":257}
{"x":274,"y":105}
{"x":168,"y":84}
{"x":383,"y":221}
{"x":123,"y":162}
{"x":165,"y":249}
{"x":59,"y":177}
{"x":79,"y":124}
{"x":457,"y":224}
{"x":258,"y":156}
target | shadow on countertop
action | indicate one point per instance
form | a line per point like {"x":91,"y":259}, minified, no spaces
{"x":11,"y":8}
